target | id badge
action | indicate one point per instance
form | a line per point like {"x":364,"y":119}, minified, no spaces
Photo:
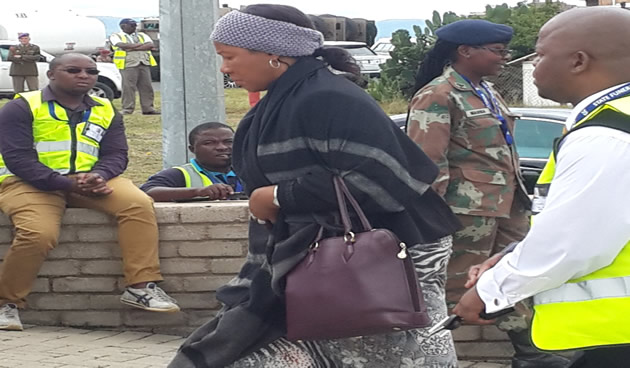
{"x":477,"y":112}
{"x":94,"y":131}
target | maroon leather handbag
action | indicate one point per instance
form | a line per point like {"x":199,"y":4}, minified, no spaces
{"x":361,"y":283}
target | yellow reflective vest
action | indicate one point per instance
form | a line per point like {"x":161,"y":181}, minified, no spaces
{"x":590,"y":311}
{"x":120,"y":55}
{"x":61,"y":147}
{"x":194,"y":178}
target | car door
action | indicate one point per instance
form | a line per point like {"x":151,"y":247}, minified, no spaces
{"x":6,"y":83}
{"x":42,"y":68}
{"x":534,"y":143}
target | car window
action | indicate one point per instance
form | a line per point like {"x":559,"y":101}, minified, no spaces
{"x":534,"y":137}
{"x":360,"y":51}
{"x":4,"y":53}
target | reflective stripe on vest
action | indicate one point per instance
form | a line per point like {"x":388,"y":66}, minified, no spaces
{"x":586,"y":290}
{"x":64,"y":149}
{"x":591,"y":311}
{"x":66,"y":146}
{"x":194,"y":178}
{"x":120,"y":55}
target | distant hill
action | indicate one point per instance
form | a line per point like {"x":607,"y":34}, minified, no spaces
{"x":389,"y":26}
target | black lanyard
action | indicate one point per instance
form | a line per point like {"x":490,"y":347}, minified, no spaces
{"x":491,"y":102}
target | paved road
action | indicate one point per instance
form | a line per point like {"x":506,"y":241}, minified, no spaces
{"x":59,"y":347}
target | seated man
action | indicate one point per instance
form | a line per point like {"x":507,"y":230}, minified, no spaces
{"x":208,"y":176}
{"x":60,"y":147}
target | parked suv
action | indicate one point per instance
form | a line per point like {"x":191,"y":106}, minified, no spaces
{"x":109,"y":84}
{"x":368,"y":60}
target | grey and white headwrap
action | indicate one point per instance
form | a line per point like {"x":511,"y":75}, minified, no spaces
{"x":261,"y":34}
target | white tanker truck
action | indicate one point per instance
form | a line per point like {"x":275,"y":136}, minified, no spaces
{"x":57,"y":33}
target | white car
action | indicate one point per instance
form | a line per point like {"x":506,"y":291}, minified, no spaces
{"x":109,"y":84}
{"x":368,"y":60}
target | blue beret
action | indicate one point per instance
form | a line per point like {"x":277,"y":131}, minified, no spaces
{"x":475,"y":32}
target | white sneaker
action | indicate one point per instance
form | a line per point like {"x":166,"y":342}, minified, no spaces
{"x":9,"y":318}
{"x":150,"y":298}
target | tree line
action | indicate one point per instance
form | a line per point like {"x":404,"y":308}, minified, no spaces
{"x":398,"y":73}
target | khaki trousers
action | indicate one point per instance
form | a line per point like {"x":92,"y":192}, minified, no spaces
{"x":37,"y":215}
{"x":31,"y":80}
{"x":137,"y":78}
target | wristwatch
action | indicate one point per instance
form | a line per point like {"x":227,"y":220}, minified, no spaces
{"x":275,"y":196}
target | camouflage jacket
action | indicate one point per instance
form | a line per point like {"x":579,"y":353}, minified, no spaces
{"x":479,"y":172}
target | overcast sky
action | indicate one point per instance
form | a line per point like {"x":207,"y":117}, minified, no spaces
{"x":370,"y":9}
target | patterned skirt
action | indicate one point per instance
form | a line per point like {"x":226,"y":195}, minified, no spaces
{"x":405,"y":349}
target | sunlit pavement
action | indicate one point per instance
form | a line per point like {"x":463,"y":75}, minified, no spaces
{"x":61,"y":347}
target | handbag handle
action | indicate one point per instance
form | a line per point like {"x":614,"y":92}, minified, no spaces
{"x":342,"y":191}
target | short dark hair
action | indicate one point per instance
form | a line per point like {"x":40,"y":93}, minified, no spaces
{"x":55,"y":62}
{"x":206,"y":126}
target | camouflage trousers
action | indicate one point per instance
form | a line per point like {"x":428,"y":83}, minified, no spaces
{"x":480,"y":238}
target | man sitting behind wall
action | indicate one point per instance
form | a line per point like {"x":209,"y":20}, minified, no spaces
{"x":209,"y":174}
{"x":61,"y":147}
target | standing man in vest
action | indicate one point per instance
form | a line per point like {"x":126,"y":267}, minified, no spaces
{"x":62,"y":147}
{"x":575,"y":261}
{"x":24,"y":58}
{"x":209,"y":174}
{"x":132,"y":55}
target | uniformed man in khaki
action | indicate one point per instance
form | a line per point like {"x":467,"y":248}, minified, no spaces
{"x":23,"y":58}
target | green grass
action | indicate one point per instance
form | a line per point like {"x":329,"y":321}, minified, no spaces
{"x":144,"y":132}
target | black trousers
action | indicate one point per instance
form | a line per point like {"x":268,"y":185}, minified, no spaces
{"x":614,"y":357}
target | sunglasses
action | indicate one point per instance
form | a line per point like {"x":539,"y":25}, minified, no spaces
{"x":90,"y":71}
{"x":500,"y":52}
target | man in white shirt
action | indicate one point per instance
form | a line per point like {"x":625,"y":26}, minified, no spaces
{"x":575,"y":259}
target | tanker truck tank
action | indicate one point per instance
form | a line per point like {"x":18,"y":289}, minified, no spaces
{"x":55,"y":33}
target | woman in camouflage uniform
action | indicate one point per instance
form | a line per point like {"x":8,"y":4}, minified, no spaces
{"x":464,"y":125}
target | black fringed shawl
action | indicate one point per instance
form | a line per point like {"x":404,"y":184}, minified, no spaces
{"x":310,"y":126}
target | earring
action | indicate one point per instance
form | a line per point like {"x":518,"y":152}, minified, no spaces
{"x":274,"y":63}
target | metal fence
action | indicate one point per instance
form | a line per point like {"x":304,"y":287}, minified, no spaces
{"x":516,"y":86}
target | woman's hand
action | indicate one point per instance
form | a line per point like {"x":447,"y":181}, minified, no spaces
{"x":261,"y":204}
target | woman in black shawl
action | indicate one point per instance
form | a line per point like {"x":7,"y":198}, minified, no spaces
{"x":312,"y":125}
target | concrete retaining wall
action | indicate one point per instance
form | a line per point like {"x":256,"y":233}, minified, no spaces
{"x":202,"y":246}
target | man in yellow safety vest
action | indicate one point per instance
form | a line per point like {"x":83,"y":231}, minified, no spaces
{"x":132,"y":56}
{"x":575,"y":261}
{"x":60,"y":147}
